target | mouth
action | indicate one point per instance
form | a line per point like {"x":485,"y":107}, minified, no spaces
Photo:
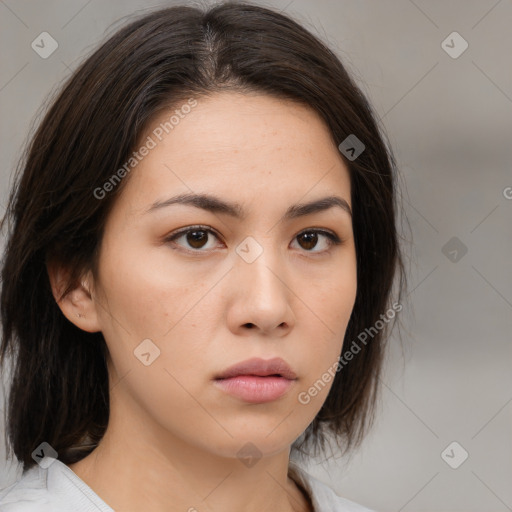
{"x":257,"y":380}
{"x":276,"y":367}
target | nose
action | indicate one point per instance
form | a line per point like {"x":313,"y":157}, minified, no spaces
{"x":261,"y":298}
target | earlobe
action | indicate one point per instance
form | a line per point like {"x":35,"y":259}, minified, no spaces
{"x":78,"y":306}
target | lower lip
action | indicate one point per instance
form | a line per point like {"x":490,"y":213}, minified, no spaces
{"x":254,"y":389}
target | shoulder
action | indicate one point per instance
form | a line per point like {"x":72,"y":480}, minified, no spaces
{"x":55,"y":488}
{"x":324,"y":499}
{"x":29,"y":493}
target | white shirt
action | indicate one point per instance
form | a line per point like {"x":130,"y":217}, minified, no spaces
{"x":58,"y":489}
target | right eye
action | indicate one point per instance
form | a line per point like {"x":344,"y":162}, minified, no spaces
{"x":195,"y":236}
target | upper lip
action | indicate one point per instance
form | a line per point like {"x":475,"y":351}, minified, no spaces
{"x":259,"y":367}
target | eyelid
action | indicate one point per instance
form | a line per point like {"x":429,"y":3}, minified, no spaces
{"x":182,"y":231}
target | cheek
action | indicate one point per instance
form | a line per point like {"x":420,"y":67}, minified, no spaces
{"x":147,"y":292}
{"x":156,"y":339}
{"x":152,"y":306}
{"x":172,"y":399}
{"x":331,"y":300}
{"x":330,"y":307}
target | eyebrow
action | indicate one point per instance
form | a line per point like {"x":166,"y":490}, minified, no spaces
{"x":216,"y":205}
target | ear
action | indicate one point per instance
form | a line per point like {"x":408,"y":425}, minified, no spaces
{"x":79,"y":305}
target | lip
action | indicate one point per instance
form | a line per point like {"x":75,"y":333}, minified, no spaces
{"x":257,"y":380}
{"x":260,"y":367}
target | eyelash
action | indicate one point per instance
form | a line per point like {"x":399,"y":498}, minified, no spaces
{"x":334,"y":240}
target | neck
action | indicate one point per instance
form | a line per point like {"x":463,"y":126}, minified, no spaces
{"x":138,"y":464}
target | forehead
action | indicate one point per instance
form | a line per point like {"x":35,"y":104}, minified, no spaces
{"x":227,"y":122}
{"x":240,"y":146}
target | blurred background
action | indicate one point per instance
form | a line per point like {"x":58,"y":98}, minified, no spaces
{"x":439,"y":75}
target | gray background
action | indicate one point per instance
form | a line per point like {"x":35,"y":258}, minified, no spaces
{"x":450,"y":123}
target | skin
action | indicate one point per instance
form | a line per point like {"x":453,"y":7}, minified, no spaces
{"x":173,"y":437}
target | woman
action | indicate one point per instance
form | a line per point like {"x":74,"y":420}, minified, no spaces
{"x":197,"y":278}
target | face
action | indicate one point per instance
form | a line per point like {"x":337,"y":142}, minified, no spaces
{"x":186,"y":290}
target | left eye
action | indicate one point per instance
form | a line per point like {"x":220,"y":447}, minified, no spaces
{"x":310,"y":239}
{"x":197,"y":237}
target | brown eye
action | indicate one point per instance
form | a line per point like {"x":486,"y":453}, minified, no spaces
{"x":309,"y":240}
{"x":196,"y":239}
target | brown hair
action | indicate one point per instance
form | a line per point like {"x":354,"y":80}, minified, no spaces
{"x":59,"y":382}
